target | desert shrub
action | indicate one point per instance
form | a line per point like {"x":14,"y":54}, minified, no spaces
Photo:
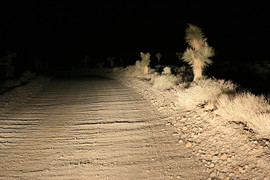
{"x":133,"y":70}
{"x":41,"y":65}
{"x":100,"y":65}
{"x":260,"y":68}
{"x":184,"y":72}
{"x":204,"y":92}
{"x":165,"y":81}
{"x":167,"y":71}
{"x":140,"y":68}
{"x":248,"y":108}
{"x":26,"y":76}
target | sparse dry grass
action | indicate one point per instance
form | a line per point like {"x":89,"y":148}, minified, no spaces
{"x":248,"y":108}
{"x":203,"y":92}
{"x":164,"y":82}
{"x":133,"y":70}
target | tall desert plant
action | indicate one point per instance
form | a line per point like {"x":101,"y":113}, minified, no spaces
{"x":158,"y":56}
{"x":141,"y":66}
{"x":145,"y":62}
{"x":198,"y":53}
{"x":6,"y":63}
{"x":86,"y":60}
{"x":110,"y":59}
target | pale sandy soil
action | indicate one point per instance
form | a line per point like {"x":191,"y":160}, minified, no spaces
{"x":88,"y":128}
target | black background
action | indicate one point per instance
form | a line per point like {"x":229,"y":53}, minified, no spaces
{"x":126,"y":27}
{"x":66,"y":31}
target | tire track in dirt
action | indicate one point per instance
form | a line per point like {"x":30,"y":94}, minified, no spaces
{"x":90,"y":128}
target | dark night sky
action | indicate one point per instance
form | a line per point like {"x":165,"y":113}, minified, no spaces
{"x":71,"y":29}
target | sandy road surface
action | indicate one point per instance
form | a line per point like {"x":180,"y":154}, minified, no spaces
{"x":90,"y":128}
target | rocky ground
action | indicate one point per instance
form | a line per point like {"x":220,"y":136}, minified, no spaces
{"x":229,"y":150}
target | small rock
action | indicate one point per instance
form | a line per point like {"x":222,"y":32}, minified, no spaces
{"x":245,"y":132}
{"x":185,"y":129}
{"x":213,"y":174}
{"x":224,"y":157}
{"x":211,"y":165}
{"x":188,"y":145}
{"x":241,"y":170}
{"x":215,"y":159}
{"x":177,"y":124}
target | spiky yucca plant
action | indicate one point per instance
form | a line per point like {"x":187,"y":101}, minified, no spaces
{"x":198,"y":53}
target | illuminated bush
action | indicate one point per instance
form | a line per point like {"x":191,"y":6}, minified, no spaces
{"x":167,"y":71}
{"x":198,"y":53}
{"x":165,"y":81}
{"x":248,"y":108}
{"x":141,"y":67}
{"x":203,"y":92}
{"x":184,"y":72}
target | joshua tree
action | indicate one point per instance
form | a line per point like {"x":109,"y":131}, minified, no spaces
{"x":198,"y":52}
{"x":110,"y":59}
{"x":145,"y":62}
{"x":6,"y":63}
{"x":86,"y":60}
{"x":158,"y":56}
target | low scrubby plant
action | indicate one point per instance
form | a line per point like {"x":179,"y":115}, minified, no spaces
{"x":165,"y":81}
{"x":26,"y":76}
{"x":204,"y":92}
{"x":248,"y":108}
{"x":184,"y":72}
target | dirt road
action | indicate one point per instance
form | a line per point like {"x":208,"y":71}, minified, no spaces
{"x":90,"y":128}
